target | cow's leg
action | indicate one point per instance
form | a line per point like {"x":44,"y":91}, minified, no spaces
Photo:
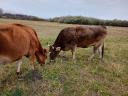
{"x":63,"y":56}
{"x":32,"y":59}
{"x":19,"y":62}
{"x":99,"y":47}
{"x":95,"y":48}
{"x":101,"y":50}
{"x":73,"y":50}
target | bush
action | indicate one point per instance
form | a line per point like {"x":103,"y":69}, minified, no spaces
{"x":89,"y":21}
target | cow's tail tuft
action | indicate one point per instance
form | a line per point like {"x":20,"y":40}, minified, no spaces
{"x":102,"y":50}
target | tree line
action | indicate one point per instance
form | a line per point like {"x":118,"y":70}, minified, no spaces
{"x":67,"y":19}
{"x":89,"y":21}
{"x":7,"y":15}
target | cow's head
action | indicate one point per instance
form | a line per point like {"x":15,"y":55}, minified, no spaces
{"x":54,"y":51}
{"x":41,"y":56}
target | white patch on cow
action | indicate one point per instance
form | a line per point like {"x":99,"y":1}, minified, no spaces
{"x":5,"y":59}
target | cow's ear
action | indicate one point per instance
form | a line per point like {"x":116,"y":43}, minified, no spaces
{"x":58,"y":48}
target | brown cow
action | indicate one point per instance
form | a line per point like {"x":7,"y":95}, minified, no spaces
{"x":16,"y":41}
{"x":80,"y":36}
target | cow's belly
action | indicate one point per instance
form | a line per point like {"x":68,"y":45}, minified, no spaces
{"x":66,"y":49}
{"x":86,"y":44}
{"x":83,"y":45}
{"x":5,"y":59}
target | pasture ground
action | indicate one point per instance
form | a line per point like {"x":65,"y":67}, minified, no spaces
{"x":84,"y":78}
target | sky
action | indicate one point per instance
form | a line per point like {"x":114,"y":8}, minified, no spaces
{"x":102,"y":9}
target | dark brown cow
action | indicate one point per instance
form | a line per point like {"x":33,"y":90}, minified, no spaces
{"x":80,"y":36}
{"x":16,"y":41}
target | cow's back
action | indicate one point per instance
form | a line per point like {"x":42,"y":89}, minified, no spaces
{"x":82,"y":36}
{"x":35,"y":45}
{"x":87,"y":36}
{"x":34,"y":41}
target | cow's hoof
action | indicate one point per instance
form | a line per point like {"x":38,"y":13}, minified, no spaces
{"x":90,"y":59}
{"x":74,"y":61}
{"x":102,"y":60}
{"x":18,"y":74}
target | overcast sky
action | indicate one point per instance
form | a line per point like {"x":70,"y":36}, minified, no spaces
{"x":102,"y":9}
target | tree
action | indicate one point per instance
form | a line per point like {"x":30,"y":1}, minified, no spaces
{"x":1,"y":11}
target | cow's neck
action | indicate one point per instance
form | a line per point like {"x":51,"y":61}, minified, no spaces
{"x":57,"y":45}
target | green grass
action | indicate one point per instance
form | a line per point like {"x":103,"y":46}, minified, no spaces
{"x":84,"y":78}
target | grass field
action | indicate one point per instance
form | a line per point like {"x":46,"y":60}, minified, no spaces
{"x":84,"y":78}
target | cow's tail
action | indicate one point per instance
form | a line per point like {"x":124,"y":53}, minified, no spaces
{"x":102,"y":50}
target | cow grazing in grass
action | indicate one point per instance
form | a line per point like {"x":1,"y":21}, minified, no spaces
{"x":80,"y":36}
{"x":16,"y":41}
